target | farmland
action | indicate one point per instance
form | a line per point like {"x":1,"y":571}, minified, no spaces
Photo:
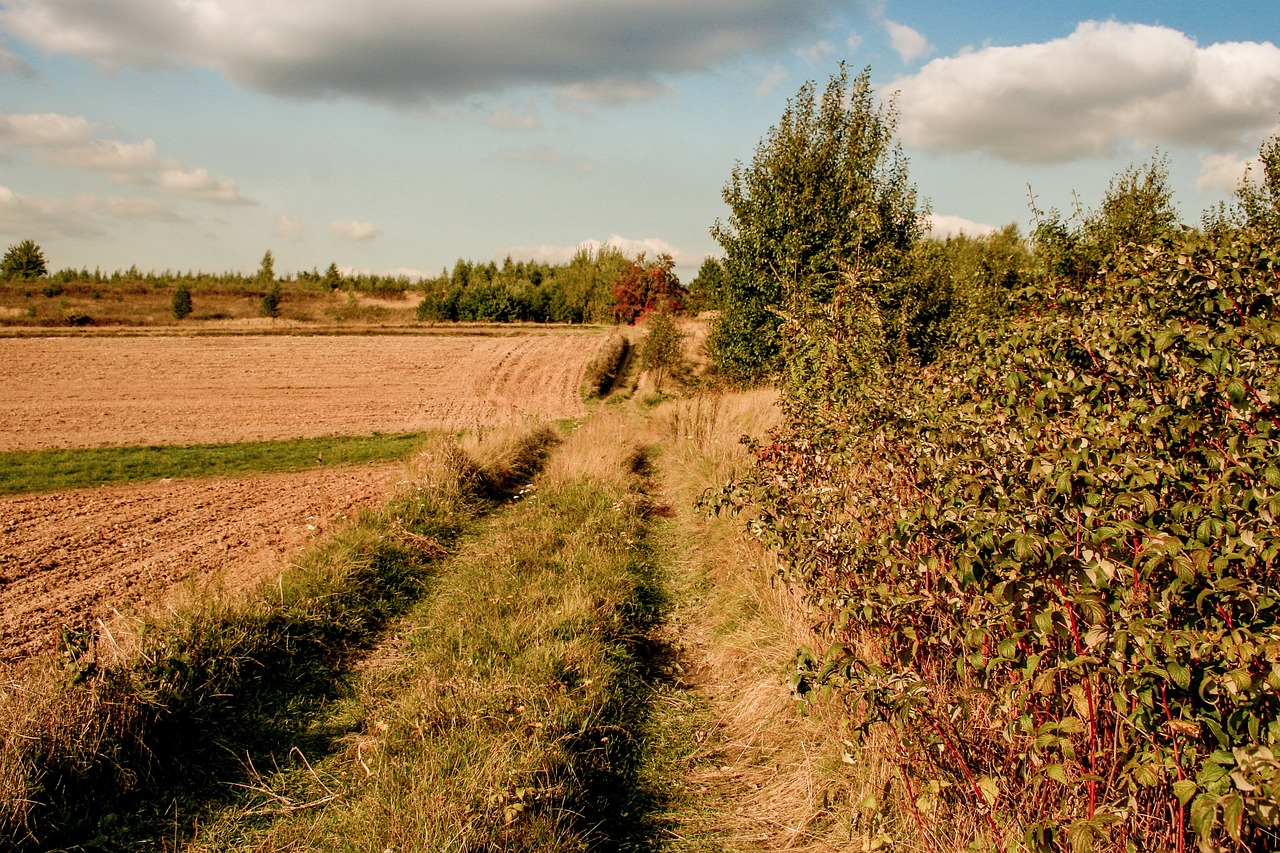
{"x":71,"y":558}
{"x":89,"y":391}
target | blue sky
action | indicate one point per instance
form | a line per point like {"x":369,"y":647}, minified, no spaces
{"x":395,"y":136}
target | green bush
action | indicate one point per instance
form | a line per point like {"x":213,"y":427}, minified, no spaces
{"x":181,"y":304}
{"x":1050,"y":564}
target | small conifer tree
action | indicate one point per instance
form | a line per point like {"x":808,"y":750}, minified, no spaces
{"x":181,"y":302}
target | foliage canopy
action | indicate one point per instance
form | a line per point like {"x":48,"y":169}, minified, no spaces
{"x":24,"y":260}
{"x":826,"y":191}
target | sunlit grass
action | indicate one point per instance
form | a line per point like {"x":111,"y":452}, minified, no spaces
{"x":55,"y":470}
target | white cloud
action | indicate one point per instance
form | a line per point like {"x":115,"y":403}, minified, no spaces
{"x":817,"y":53}
{"x":26,"y":216}
{"x":652,"y":247}
{"x":350,"y":229}
{"x":288,"y":229}
{"x":907,"y":43}
{"x":197,"y":183}
{"x":771,"y":80}
{"x":407,"y":52}
{"x":1223,"y":172}
{"x":74,"y":141}
{"x":1106,"y":85}
{"x":942,"y":227}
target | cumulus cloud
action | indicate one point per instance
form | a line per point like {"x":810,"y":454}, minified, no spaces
{"x":652,"y":247}
{"x":907,"y":43}
{"x":30,"y":216}
{"x":941,"y":227}
{"x":408,"y":52}
{"x":288,"y":229}
{"x":1105,"y":85}
{"x":770,"y":80}
{"x":76,"y":142}
{"x":1223,"y":172}
{"x":350,"y":229}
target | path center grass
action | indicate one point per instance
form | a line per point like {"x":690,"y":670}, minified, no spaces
{"x":23,"y":472}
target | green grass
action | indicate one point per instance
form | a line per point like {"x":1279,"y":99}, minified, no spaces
{"x":55,"y":470}
{"x":510,"y":710}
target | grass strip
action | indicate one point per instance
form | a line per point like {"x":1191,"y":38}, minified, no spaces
{"x":54,"y":470}
{"x":511,"y":711}
{"x":129,"y":729}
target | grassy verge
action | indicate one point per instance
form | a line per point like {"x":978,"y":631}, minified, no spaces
{"x":55,"y":470}
{"x":129,"y":730}
{"x":509,"y":710}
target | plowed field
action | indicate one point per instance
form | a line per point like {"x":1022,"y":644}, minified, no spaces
{"x":71,"y":558}
{"x":92,"y":391}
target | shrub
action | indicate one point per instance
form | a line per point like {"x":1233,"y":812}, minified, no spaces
{"x":270,"y":306}
{"x":181,"y":304}
{"x":663,"y":349}
{"x":1049,"y":565}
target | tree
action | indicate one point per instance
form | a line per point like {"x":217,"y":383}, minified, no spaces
{"x":270,"y":306}
{"x":663,"y":348}
{"x":181,"y":301}
{"x":641,"y":288}
{"x":24,"y":260}
{"x":1258,"y":196}
{"x":267,"y":269}
{"x":826,"y":192}
{"x":1138,"y":208}
{"x":706,"y":291}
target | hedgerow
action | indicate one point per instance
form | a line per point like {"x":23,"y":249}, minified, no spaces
{"x":1047,"y":564}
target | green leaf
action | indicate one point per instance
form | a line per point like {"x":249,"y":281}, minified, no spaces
{"x":1184,"y":790}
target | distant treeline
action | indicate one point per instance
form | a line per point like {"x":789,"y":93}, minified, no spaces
{"x":596,"y":286}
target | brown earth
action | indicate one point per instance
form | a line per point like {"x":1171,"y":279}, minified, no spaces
{"x":72,"y":558}
{"x":96,"y":391}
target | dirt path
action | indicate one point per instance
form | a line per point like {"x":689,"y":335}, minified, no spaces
{"x":89,"y":392}
{"x":67,"y":559}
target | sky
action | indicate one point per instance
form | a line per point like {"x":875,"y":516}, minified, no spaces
{"x":396,"y":136}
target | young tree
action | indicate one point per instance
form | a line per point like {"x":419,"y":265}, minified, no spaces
{"x":267,"y":269}
{"x":1258,"y":196}
{"x":706,"y":291}
{"x":24,"y":260}
{"x":181,"y":301}
{"x":663,"y":348}
{"x":270,"y":306}
{"x":827,"y":191}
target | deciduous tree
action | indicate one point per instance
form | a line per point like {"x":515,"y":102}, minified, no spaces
{"x":827,"y":191}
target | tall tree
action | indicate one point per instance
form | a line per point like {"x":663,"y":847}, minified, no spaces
{"x":24,"y":260}
{"x":827,"y":191}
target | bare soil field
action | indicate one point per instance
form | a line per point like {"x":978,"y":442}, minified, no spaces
{"x":69,"y":559}
{"x":101,"y":391}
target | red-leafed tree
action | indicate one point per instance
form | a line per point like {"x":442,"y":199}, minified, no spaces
{"x":641,"y":288}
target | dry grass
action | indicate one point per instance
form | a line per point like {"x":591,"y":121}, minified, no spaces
{"x":765,"y":773}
